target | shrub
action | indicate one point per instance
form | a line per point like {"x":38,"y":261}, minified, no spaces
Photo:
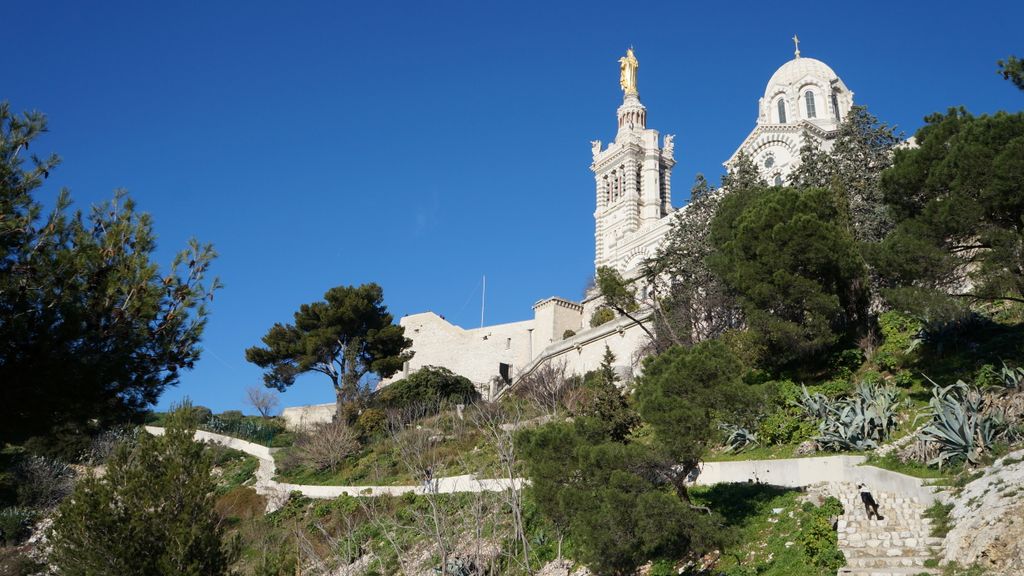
{"x":428,"y":386}
{"x":820,"y":542}
{"x":326,"y":445}
{"x":602,"y":315}
{"x":568,"y":334}
{"x":904,"y":379}
{"x":846,"y":362}
{"x":898,"y":331}
{"x":43,"y":482}
{"x":785,"y":425}
{"x":548,"y":386}
{"x":371,"y":422}
{"x":242,"y":503}
{"x":15,"y":525}
{"x":833,"y":388}
{"x":104,"y":444}
{"x":201,"y":414}
{"x":259,"y":430}
{"x":231,"y":415}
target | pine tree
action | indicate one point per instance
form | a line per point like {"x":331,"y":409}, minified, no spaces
{"x":606,"y":412}
{"x":92,"y":331}
{"x":743,"y":175}
{"x":345,"y":336}
{"x":691,"y":303}
{"x":1012,"y":69}
{"x":150,"y":514}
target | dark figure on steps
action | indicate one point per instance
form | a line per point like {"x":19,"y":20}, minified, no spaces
{"x":870,"y":506}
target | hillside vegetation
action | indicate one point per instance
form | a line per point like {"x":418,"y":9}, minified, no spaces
{"x":874,"y":304}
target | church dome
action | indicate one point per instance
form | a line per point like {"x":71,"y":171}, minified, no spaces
{"x":796,"y":69}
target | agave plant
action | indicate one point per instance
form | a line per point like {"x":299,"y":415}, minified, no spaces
{"x":1012,"y":379}
{"x":739,"y":438}
{"x":860,"y":421}
{"x":816,"y":405}
{"x":962,"y":426}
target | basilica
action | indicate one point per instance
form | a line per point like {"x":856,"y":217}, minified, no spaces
{"x":803,"y":100}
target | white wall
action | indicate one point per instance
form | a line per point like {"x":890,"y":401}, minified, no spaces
{"x":298,"y":417}
{"x":474,"y":353}
{"x":799,"y":472}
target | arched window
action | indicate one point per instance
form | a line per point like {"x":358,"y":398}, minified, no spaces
{"x":782,"y":111}
{"x":835,"y":106}
{"x":809,"y":97}
{"x":778,"y":180}
{"x":769,"y":161}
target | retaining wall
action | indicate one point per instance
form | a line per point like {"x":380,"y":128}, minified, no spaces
{"x":800,"y":472}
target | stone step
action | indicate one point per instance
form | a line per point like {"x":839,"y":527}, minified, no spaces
{"x":846,"y":524}
{"x":887,"y":561}
{"x":893,"y":571}
{"x":877,"y":531}
{"x":886,"y":551}
{"x":859,"y":546}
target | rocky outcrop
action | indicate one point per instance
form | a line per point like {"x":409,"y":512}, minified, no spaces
{"x":988,"y":519}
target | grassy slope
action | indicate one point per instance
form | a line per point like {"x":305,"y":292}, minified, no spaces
{"x":769,"y":543}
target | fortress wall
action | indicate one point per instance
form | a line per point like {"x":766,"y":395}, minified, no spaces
{"x":297,"y":417}
{"x":585,"y":351}
{"x":475,"y":354}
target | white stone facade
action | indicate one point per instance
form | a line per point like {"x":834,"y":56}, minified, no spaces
{"x":633,"y":209}
{"x":803,"y":100}
{"x":633,"y":182}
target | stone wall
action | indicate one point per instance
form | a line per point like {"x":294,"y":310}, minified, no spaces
{"x":297,"y":417}
{"x":800,"y":472}
{"x":476,"y":353}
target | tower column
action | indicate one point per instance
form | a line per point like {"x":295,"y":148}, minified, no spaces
{"x":631,"y":193}
{"x":651,"y":208}
{"x":602,"y":204}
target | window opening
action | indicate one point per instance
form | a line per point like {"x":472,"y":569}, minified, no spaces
{"x":809,"y":97}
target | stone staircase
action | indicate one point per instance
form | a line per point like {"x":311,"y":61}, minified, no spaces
{"x":899,"y":544}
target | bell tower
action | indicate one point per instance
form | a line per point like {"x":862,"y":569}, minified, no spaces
{"x":632,"y":176}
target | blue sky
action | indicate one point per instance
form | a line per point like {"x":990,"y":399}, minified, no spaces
{"x":421,"y":145}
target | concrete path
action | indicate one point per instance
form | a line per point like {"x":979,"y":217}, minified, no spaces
{"x":277,"y":492}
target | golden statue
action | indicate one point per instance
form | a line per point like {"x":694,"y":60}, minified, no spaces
{"x":628,"y":65}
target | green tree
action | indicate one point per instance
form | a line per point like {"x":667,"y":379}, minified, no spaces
{"x":620,"y":295}
{"x":608,"y":497}
{"x":852,"y":170}
{"x":743,"y":175}
{"x":1012,"y":69}
{"x":605,"y":412}
{"x":958,"y":200}
{"x":150,"y":514}
{"x":691,"y":303}
{"x":683,"y":394}
{"x":346,"y":336}
{"x":92,"y":331}
{"x":797,"y":273}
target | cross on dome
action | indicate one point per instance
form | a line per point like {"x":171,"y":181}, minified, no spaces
{"x":796,"y":45}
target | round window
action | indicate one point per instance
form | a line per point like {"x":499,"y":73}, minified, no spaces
{"x":769,"y":162}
